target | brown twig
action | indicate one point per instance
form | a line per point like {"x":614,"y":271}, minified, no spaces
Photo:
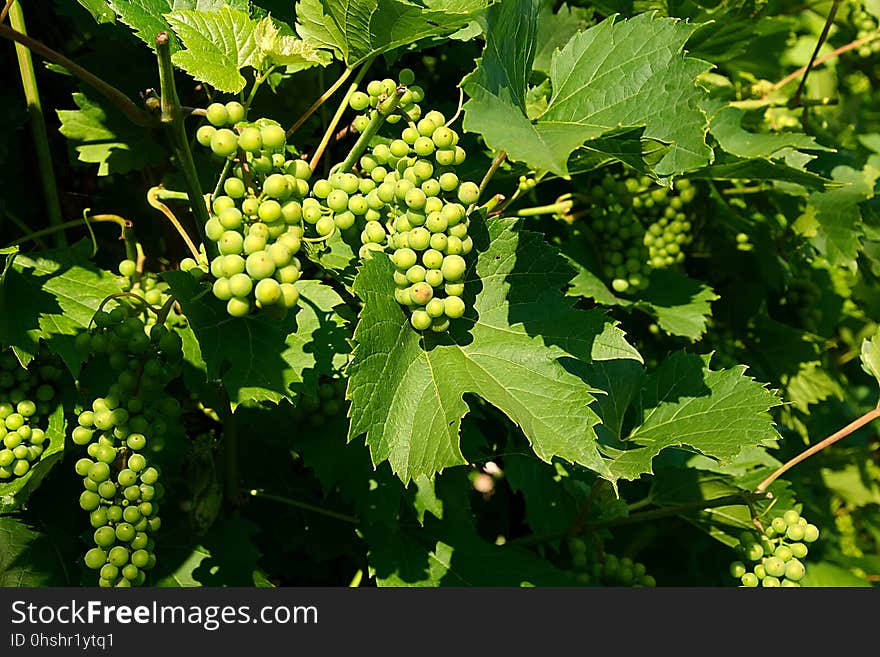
{"x":824,"y":58}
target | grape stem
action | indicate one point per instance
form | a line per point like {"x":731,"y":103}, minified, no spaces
{"x":337,"y":117}
{"x":5,"y":10}
{"x":122,"y":102}
{"x":305,"y":505}
{"x":119,"y":295}
{"x":323,"y":238}
{"x":320,"y":101}
{"x":796,"y":101}
{"x":172,"y":121}
{"x":376,"y":121}
{"x":868,"y":417}
{"x":562,"y":207}
{"x":493,"y":168}
{"x":858,"y":43}
{"x":76,"y":223}
{"x":153,"y":200}
{"x":38,"y":123}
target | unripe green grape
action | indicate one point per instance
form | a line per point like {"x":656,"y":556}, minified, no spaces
{"x":273,"y":136}
{"x":453,"y":267}
{"x":434,"y":277}
{"x":432,"y":259}
{"x":421,"y":293}
{"x":221,"y":289}
{"x":795,"y":532}
{"x":259,"y":265}
{"x":359,"y":101}
{"x":770,"y":582}
{"x":224,"y":142}
{"x":204,"y":134}
{"x":404,"y":258}
{"x":118,"y":556}
{"x":423,"y":146}
{"x":250,"y":140}
{"x":289,"y":295}
{"x":288,"y":274}
{"x":89,"y":500}
{"x":269,"y":211}
{"x":406,"y":76}
{"x":20,"y":467}
{"x":791,"y":517}
{"x":217,"y":114}
{"x":420,"y":320}
{"x":415,"y":274}
{"x":454,"y":307}
{"x":95,"y":558}
{"x":444,"y":137}
{"x":419,"y":238}
{"x":235,"y":112}
{"x":811,"y":533}
{"x":774,"y":566}
{"x":268,"y":292}
{"x":794,"y":570}
{"x":325,"y":226}
{"x":435,"y":308}
{"x":238,"y":306}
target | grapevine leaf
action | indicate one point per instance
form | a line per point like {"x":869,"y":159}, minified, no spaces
{"x":686,"y":404}
{"x":681,"y":305}
{"x":835,"y":218}
{"x":14,"y":493}
{"x":287,"y":50}
{"x":870,"y":356}
{"x":407,"y":390}
{"x":555,"y":29}
{"x":357,"y":30}
{"x":726,"y":127}
{"x":56,"y":294}
{"x":218,"y":45}
{"x":549,"y":506}
{"x":732,"y":168}
{"x":146,"y":17}
{"x":825,"y":574}
{"x":259,"y":358}
{"x":851,"y":484}
{"x":100,"y":10}
{"x":621,"y":380}
{"x":225,"y":556}
{"x":27,"y":556}
{"x":614,"y":75}
{"x":102,"y":136}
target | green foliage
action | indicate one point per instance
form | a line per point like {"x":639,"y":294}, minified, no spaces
{"x":656,"y":90}
{"x":671,"y":253}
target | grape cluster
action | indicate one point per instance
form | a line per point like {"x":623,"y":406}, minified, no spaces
{"x":638,"y":227}
{"x":256,"y":224}
{"x":152,"y":289}
{"x":408,"y":199}
{"x":121,"y":486}
{"x":866,"y":25}
{"x":776,"y":554}
{"x":26,"y":396}
{"x":327,"y":405}
{"x":611,"y":570}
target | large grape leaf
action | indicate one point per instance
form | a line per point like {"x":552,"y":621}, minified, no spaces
{"x":356,"y":30}
{"x":259,"y":358}
{"x":28,"y":557}
{"x":55,"y":294}
{"x":626,"y":74}
{"x":681,"y":305}
{"x":14,"y":493}
{"x":833,"y":220}
{"x":555,"y":28}
{"x":101,"y":135}
{"x":726,"y":126}
{"x":218,"y":45}
{"x":146,"y":17}
{"x":407,"y":390}
{"x":686,"y":404}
